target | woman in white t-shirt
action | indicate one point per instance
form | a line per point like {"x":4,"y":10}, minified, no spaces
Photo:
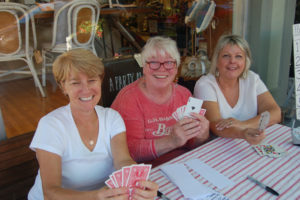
{"x":79,"y":145}
{"x":234,"y":96}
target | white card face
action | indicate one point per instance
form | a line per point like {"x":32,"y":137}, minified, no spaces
{"x":193,"y":105}
{"x":264,"y":120}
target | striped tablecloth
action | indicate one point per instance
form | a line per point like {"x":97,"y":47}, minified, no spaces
{"x":236,"y":159}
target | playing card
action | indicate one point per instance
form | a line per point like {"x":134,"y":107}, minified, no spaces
{"x":114,"y":181}
{"x":110,"y":183}
{"x":178,"y":114}
{"x":175,"y":116}
{"x":128,"y":176}
{"x":118,"y":177}
{"x":202,"y":111}
{"x":125,"y":175}
{"x":264,"y":120}
{"x":272,"y":150}
{"x":138,"y":172}
{"x":193,"y":105}
{"x":258,"y":149}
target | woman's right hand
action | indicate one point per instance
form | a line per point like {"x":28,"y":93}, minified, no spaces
{"x":253,"y":136}
{"x":184,"y":130}
{"x":115,"y":193}
{"x":144,"y":190}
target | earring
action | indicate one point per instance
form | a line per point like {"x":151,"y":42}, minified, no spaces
{"x":217,"y":74}
{"x":244,"y":74}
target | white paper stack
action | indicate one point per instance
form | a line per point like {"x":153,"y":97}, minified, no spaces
{"x":192,"y":188}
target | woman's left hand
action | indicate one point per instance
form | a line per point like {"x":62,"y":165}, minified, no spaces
{"x":227,"y":123}
{"x":149,"y":191}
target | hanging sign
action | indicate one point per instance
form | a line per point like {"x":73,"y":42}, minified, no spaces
{"x":296,"y":38}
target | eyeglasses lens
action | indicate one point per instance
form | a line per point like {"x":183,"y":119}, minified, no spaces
{"x":167,"y":65}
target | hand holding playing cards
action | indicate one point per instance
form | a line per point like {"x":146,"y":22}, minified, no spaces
{"x":116,"y":193}
{"x":253,"y":136}
{"x":204,"y":126}
{"x":150,"y":191}
{"x":188,"y":128}
{"x":135,"y":179}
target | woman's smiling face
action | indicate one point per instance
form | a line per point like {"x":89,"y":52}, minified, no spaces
{"x":162,"y":76}
{"x":231,"y":62}
{"x":84,"y":92}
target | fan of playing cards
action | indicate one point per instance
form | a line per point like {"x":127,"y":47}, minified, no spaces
{"x":128,"y":176}
{"x":273,"y":151}
{"x":264,"y":120}
{"x":193,"y":105}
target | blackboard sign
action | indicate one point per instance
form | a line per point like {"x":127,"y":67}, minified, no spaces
{"x":119,"y":72}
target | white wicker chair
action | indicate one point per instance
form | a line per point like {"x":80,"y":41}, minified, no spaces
{"x":78,"y":12}
{"x":12,"y":46}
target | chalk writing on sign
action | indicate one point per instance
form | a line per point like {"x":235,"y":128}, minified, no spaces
{"x":116,"y":83}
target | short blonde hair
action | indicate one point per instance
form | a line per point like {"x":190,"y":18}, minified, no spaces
{"x":164,"y":45}
{"x":232,"y":40}
{"x":77,"y":60}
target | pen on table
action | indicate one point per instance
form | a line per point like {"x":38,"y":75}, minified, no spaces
{"x":263,"y":185}
{"x":161,"y":195}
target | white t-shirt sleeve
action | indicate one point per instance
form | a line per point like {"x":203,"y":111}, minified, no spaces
{"x":260,"y":86}
{"x":204,"y":89}
{"x":48,"y":136}
{"x":116,"y":122}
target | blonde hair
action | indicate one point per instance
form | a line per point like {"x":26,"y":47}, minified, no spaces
{"x":77,"y":60}
{"x":232,"y":40}
{"x":164,"y":45}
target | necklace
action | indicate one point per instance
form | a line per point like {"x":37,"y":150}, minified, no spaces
{"x":87,"y":133}
{"x":91,"y":142}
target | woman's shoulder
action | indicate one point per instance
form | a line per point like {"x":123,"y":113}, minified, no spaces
{"x":99,"y":108}
{"x":59,"y":113}
{"x":206,"y":80}
{"x":252,"y":76}
{"x":57,"y":118}
{"x":128,"y":90}
{"x":106,"y":111}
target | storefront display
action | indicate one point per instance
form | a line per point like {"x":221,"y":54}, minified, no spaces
{"x":194,"y":25}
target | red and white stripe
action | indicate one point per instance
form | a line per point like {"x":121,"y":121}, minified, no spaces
{"x":236,"y":159}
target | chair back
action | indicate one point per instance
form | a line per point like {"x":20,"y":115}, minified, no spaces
{"x":82,"y":20}
{"x":12,"y":15}
{"x":14,"y":41}
{"x":10,"y":36}
{"x":83,"y":17}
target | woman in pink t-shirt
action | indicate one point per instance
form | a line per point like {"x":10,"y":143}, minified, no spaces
{"x":147,"y":105}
